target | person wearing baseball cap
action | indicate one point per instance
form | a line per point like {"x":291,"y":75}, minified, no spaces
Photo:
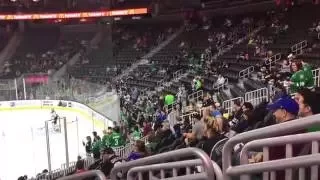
{"x":284,"y":109}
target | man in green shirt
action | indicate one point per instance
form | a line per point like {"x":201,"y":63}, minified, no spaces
{"x":169,"y":99}
{"x":116,"y":139}
{"x":136,"y":134}
{"x":106,"y":137}
{"x":96,"y":146}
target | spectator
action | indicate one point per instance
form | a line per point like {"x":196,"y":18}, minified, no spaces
{"x":138,"y":152}
{"x":96,"y":146}
{"x":116,"y":139}
{"x":88,"y":145}
{"x":80,"y":166}
{"x":302,"y":76}
{"x":172,"y":119}
{"x":106,"y":136}
{"x":308,"y":104}
{"x":284,"y":109}
{"x":237,"y":113}
{"x":285,"y":68}
{"x":146,"y":128}
{"x":109,"y":160}
{"x":197,"y":131}
{"x":96,"y":137}
{"x":136,"y":134}
{"x":213,"y":135}
{"x":246,"y":106}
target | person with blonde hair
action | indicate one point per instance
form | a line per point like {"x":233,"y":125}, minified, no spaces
{"x":213,"y":134}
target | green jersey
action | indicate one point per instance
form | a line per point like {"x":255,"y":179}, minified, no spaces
{"x":136,"y":135}
{"x":169,"y":99}
{"x":105,"y":141}
{"x":302,"y":79}
{"x":96,"y":146}
{"x":198,"y":85}
{"x":116,"y":140}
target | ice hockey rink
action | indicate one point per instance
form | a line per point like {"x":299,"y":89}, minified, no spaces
{"x":23,"y":148}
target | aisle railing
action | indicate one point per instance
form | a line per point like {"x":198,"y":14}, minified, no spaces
{"x":288,"y":142}
{"x":246,"y":72}
{"x":257,"y":96}
{"x":228,"y":104}
{"x":177,"y":74}
{"x":273,"y":60}
{"x":196,"y":96}
{"x":297,"y":49}
{"x":158,"y":165}
{"x":316,"y":76}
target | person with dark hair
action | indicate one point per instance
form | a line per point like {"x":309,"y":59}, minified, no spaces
{"x":80,"y":166}
{"x":138,"y":152}
{"x":116,"y":139}
{"x":96,"y":137}
{"x":109,"y":160}
{"x":106,"y":137}
{"x":308,"y":104}
{"x":88,"y":145}
{"x":197,"y":131}
{"x":246,"y":106}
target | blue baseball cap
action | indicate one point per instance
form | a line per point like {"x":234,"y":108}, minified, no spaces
{"x":286,"y":103}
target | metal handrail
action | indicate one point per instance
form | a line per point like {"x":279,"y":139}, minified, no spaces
{"x":278,"y":141}
{"x":196,"y":95}
{"x":182,"y":117}
{"x":316,"y":77}
{"x":297,"y":48}
{"x":246,"y":72}
{"x":271,"y":131}
{"x":177,"y":74}
{"x":98,"y":174}
{"x":209,"y":167}
{"x":272,"y":60}
{"x":227,"y":105}
{"x":257,"y":96}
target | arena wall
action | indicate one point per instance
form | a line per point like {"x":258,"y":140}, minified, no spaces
{"x":87,"y":113}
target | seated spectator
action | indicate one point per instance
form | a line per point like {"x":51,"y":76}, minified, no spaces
{"x":138,"y":152}
{"x":284,"y":109}
{"x":213,"y":135}
{"x":108,"y":160}
{"x":197,"y":132}
{"x":286,"y":68}
{"x":308,"y":105}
